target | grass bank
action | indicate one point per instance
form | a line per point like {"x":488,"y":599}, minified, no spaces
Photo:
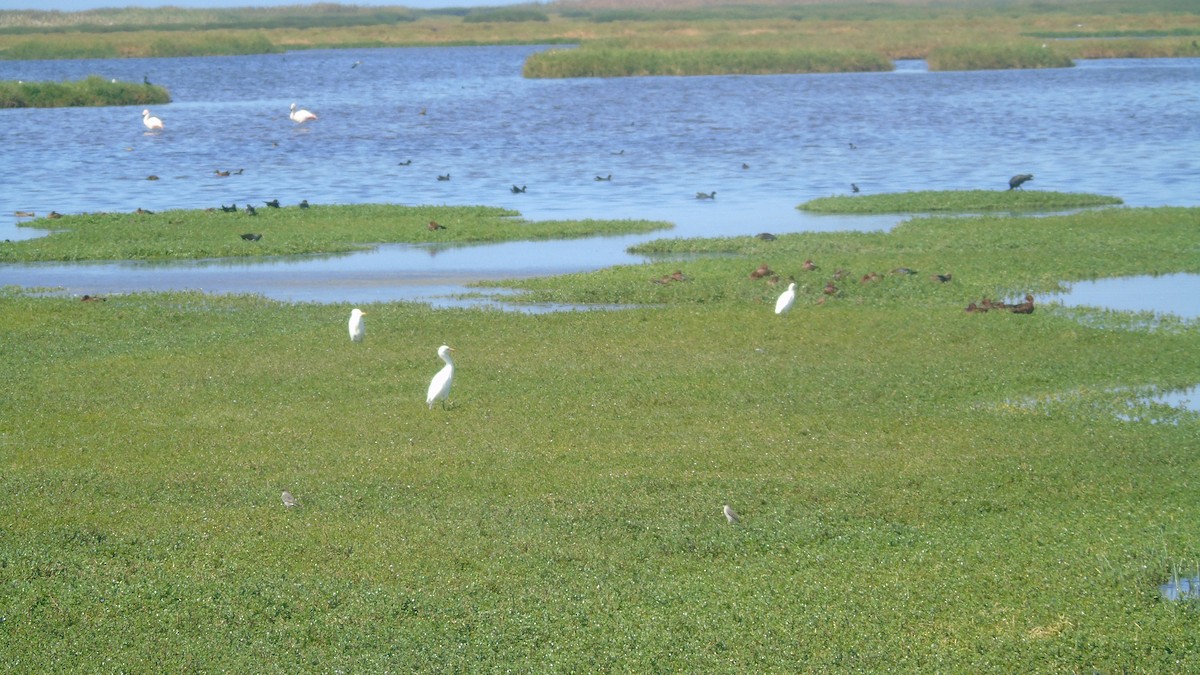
{"x":921,"y":489}
{"x":91,"y":91}
{"x":961,"y":201}
{"x":213,"y":233}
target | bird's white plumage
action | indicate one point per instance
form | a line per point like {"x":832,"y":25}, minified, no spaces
{"x":730,"y":514}
{"x":300,"y":116}
{"x":288,"y":500}
{"x":439,"y":387}
{"x":786,"y":299}
{"x":357,"y":327}
{"x":151,"y":121}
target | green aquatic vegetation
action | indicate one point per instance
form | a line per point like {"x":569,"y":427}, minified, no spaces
{"x":995,"y":256}
{"x":960,"y":201}
{"x":997,"y":57}
{"x":214,"y":233}
{"x":606,"y":61}
{"x":91,"y":91}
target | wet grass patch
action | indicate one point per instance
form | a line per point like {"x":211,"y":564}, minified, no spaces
{"x":959,"y":201}
{"x":91,"y":91}
{"x":994,"y":256}
{"x":565,"y":511}
{"x":214,"y":233}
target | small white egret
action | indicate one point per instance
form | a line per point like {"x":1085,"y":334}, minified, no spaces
{"x":301,"y":116}
{"x":357,"y":328}
{"x":730,"y":514}
{"x":786,"y":299}
{"x":288,"y":500}
{"x":151,"y":121}
{"x":439,"y":387}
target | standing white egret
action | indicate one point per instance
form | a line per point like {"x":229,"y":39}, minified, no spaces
{"x":357,"y":328}
{"x":151,"y":121}
{"x":301,"y":116}
{"x":439,"y":388}
{"x":784,"y":303}
{"x":730,"y":514}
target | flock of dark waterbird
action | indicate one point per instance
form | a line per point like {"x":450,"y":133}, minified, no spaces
{"x":761,"y":272}
{"x":772,"y":278}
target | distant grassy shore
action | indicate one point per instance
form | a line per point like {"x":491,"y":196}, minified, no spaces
{"x":617,"y":62}
{"x":921,"y":489}
{"x":213,"y":233}
{"x":961,"y":201}
{"x":91,"y":91}
{"x":667,"y":39}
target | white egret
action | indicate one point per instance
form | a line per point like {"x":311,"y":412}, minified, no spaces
{"x":439,"y":387}
{"x":730,"y":514}
{"x":301,"y":116}
{"x":288,"y":500}
{"x":357,"y":328}
{"x":784,"y":303}
{"x":151,"y":121}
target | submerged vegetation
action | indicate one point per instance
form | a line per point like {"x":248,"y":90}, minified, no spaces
{"x":887,"y":453}
{"x":91,"y":91}
{"x":214,"y":233}
{"x":679,"y":38}
{"x":960,"y":201}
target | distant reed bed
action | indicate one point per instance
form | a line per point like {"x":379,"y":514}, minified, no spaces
{"x":138,"y":45}
{"x":695,"y":37}
{"x":91,"y":91}
{"x":127,"y":19}
{"x":505,"y":15}
{"x":996,"y":57}
{"x":630,"y":61}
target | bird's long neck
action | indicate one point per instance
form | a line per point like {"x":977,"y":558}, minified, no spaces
{"x":449,"y":361}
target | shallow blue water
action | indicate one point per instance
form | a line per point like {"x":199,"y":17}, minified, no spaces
{"x":1185,"y":588}
{"x":1175,"y":294}
{"x":763,"y":143}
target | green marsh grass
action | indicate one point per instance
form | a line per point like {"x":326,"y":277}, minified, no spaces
{"x":989,"y":57}
{"x":90,"y":91}
{"x":601,"y":61}
{"x":213,"y":233}
{"x":996,"y":256}
{"x":564,"y":513}
{"x":961,"y":201}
